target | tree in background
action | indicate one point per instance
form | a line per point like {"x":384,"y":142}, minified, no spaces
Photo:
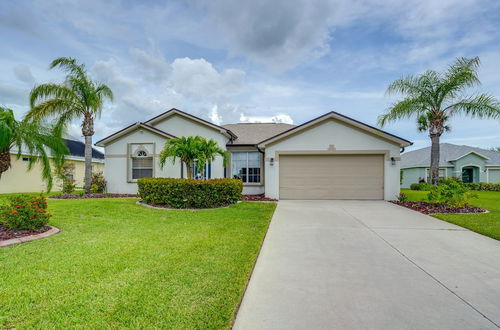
{"x":434,"y":98}
{"x":41,"y":142}
{"x":77,"y":98}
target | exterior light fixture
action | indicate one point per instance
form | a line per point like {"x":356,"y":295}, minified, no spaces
{"x":393,"y":161}
{"x":271,"y":161}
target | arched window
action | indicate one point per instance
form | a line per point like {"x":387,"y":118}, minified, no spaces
{"x":142,"y":165}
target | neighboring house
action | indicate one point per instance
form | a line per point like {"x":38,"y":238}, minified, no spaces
{"x":329,"y":157}
{"x":470,"y":164}
{"x":19,"y":179}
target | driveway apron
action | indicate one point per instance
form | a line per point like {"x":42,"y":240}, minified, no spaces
{"x":370,"y":265}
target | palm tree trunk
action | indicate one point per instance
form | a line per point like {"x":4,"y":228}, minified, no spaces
{"x":4,"y":161}
{"x":88,"y":163}
{"x":88,"y":131}
{"x":434,"y":170}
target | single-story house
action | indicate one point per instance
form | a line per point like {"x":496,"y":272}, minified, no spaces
{"x":330,"y":157}
{"x":19,"y":179}
{"x":470,"y":164}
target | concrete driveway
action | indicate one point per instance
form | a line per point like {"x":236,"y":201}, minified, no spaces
{"x":370,"y":265}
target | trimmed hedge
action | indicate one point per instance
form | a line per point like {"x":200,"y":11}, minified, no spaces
{"x":420,"y":186}
{"x":483,"y":186}
{"x":184,"y":193}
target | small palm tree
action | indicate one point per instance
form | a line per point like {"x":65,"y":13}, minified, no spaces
{"x":209,"y":150}
{"x":435,"y":97}
{"x":192,"y":151}
{"x":77,"y":98}
{"x":37,"y":140}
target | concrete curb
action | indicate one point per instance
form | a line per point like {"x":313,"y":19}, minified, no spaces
{"x":18,"y":240}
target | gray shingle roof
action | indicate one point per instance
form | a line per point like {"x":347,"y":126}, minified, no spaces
{"x":253,"y":133}
{"x":448,"y":152}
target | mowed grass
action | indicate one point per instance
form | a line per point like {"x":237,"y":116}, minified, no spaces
{"x":116,"y":264}
{"x":485,"y":223}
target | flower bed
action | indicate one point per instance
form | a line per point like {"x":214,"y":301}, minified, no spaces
{"x":78,"y":196}
{"x":9,"y":233}
{"x":431,"y":208}
{"x":258,"y":198}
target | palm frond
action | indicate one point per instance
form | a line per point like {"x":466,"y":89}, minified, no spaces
{"x":70,"y":65}
{"x":44,"y":92}
{"x":403,"y":109}
{"x":478,"y":106}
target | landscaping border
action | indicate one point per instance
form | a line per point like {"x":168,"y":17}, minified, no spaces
{"x":23,"y":239}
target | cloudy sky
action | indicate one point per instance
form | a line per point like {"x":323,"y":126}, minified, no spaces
{"x":257,"y":60}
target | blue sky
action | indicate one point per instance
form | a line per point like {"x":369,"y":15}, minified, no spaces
{"x":230,"y":61}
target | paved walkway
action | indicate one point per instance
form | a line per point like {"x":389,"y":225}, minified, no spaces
{"x":370,"y":265}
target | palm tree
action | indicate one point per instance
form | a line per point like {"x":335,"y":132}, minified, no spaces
{"x":78,"y":97}
{"x":192,"y":151}
{"x":435,"y":97}
{"x":209,"y":150}
{"x":37,"y":140}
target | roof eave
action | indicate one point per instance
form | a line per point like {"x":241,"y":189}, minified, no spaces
{"x":128,"y":129}
{"x":332,"y":114}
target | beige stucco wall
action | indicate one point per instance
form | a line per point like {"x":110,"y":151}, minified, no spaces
{"x":19,"y":179}
{"x":117,"y":152}
{"x":343,"y":138}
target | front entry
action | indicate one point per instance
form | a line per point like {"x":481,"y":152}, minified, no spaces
{"x":467,"y":174}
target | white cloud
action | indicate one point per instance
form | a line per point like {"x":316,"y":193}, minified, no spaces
{"x":24,"y":74}
{"x":150,"y":67}
{"x":279,"y":118}
{"x":198,"y":79}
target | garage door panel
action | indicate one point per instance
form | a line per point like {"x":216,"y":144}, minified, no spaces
{"x":331,"y":177}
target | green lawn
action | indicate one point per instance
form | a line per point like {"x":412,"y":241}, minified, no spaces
{"x":120,"y":265}
{"x":485,"y":223}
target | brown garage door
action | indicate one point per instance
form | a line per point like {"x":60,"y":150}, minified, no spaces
{"x":331,"y":176}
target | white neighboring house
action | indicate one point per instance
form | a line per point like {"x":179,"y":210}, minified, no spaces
{"x":329,"y":157}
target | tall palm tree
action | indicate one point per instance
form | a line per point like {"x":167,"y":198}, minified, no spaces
{"x":433,"y":98}
{"x":37,"y":140}
{"x":78,"y":97}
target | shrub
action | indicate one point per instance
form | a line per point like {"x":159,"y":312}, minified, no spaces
{"x":25,"y":212}
{"x":451,"y":192}
{"x":483,"y":186}
{"x":420,"y":186}
{"x":65,"y":174}
{"x":185,"y":193}
{"x":402,"y":197}
{"x":98,"y":182}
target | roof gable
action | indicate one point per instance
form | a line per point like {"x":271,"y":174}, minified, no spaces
{"x":341,"y":118}
{"x":131,"y":128}
{"x":470,"y":152}
{"x":163,"y":116}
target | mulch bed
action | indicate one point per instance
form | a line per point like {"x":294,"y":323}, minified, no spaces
{"x":258,"y":198}
{"x":78,"y":196}
{"x":8,"y":233}
{"x":431,"y":208}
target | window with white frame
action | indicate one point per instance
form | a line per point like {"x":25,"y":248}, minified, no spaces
{"x":142,"y":163}
{"x":246,"y":166}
